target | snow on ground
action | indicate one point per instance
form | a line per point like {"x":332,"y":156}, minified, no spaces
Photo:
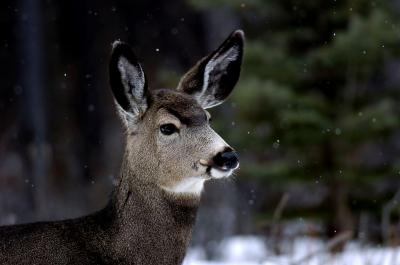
{"x":251,"y":250}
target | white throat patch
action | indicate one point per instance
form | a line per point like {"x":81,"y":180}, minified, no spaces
{"x":190,"y":185}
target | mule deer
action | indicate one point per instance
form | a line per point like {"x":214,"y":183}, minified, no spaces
{"x":170,"y":152}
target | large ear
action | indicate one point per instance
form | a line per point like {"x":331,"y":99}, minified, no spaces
{"x":212,"y":79}
{"x":128,"y":83}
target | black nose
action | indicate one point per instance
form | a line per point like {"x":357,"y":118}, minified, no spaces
{"x":228,"y":159}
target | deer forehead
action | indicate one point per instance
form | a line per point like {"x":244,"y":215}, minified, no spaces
{"x":170,"y":103}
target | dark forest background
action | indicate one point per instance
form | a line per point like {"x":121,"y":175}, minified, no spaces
{"x":315,"y":115}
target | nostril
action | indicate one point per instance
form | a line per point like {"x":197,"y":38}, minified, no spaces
{"x":218,"y":160}
{"x":231,"y":159}
{"x":227,"y":160}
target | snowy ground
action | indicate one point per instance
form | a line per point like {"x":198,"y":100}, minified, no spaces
{"x":250,"y":250}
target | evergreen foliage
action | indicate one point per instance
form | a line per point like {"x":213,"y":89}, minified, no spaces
{"x":313,"y":103}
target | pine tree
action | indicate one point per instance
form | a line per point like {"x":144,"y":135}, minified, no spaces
{"x":313,"y":103}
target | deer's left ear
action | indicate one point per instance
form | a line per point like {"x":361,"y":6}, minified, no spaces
{"x":213,"y":78}
{"x":128,"y":83}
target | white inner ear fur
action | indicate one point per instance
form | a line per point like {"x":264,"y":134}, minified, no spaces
{"x":126,"y":117}
{"x":189,"y":185}
{"x":217,"y":64}
{"x":133,"y":80}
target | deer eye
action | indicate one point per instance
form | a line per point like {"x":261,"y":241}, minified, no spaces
{"x":168,"y":129}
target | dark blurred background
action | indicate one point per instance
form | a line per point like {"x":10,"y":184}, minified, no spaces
{"x":315,"y":115}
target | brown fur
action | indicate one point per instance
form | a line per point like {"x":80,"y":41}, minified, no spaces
{"x":150,"y":215}
{"x":141,"y":225}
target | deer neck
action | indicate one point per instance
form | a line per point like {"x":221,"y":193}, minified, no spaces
{"x":143,"y":214}
{"x":135,"y":192}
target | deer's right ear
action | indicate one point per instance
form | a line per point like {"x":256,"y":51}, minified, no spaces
{"x":128,"y":83}
{"x":213,"y":78}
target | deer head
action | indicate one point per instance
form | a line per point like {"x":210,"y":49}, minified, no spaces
{"x":169,"y":141}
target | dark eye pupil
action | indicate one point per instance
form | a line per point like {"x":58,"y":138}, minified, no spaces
{"x":168,"y":129}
